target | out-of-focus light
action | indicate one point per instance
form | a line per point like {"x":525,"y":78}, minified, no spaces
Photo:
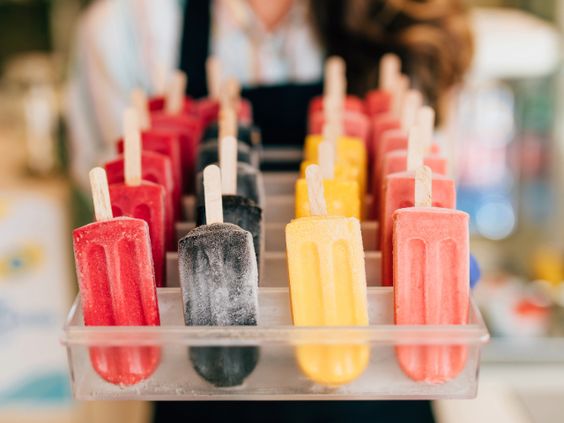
{"x":495,"y":220}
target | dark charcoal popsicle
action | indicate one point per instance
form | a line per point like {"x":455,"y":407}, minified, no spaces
{"x":208,"y":153}
{"x":218,"y":277}
{"x":244,"y":213}
{"x":249,"y":185}
{"x":250,"y":135}
{"x":219,"y":281}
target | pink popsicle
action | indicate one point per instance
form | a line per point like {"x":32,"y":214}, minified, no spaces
{"x":154,"y":168}
{"x":397,"y":139}
{"x":398,"y":193}
{"x":380,"y":100}
{"x":431,"y":281}
{"x":117,"y":285}
{"x":397,"y":161}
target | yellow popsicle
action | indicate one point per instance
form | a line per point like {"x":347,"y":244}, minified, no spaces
{"x":327,"y":286}
{"x":351,"y":154}
{"x":341,"y":196}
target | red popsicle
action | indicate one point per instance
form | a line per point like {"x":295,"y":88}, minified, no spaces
{"x":141,"y":199}
{"x":390,"y":120}
{"x":183,"y":103}
{"x":186,"y":126}
{"x":334,"y":65}
{"x":431,"y":281}
{"x":117,"y":285}
{"x":398,"y":192}
{"x":380,"y":101}
{"x":154,"y":168}
{"x":160,"y":141}
{"x":355,"y":124}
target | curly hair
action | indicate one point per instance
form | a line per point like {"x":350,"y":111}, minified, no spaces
{"x":433,"y":38}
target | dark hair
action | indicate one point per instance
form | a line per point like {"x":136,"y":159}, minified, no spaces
{"x":432,"y":37}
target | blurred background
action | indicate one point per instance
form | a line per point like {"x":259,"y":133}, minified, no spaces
{"x":509,"y":154}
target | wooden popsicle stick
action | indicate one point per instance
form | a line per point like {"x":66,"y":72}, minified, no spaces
{"x":227,"y":122}
{"x":332,"y":130}
{"x":333,"y":111}
{"x":335,"y":70}
{"x":390,"y":69}
{"x":228,"y":165}
{"x":140,"y":104}
{"x":425,"y":119}
{"x":412,"y":102}
{"x":160,"y":72}
{"x":213,"y":75}
{"x":212,"y":195}
{"x":414,"y":149}
{"x":131,"y":148}
{"x":402,"y":85}
{"x":232,"y":93}
{"x":175,"y":93}
{"x":316,"y":196}
{"x":326,"y":159}
{"x":100,"y":194}
{"x":423,"y":187}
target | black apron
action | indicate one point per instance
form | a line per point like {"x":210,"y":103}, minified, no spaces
{"x":281,"y":113}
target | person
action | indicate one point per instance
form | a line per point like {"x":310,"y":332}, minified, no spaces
{"x":276,"y":49}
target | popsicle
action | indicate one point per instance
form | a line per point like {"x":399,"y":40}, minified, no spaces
{"x":398,"y":192}
{"x":327,"y":286}
{"x":341,"y":195}
{"x":250,"y":185}
{"x":208,"y":108}
{"x":117,"y":285}
{"x":219,"y":282}
{"x":165,"y":143}
{"x":186,"y":126}
{"x":175,"y":90}
{"x":154,"y":168}
{"x":389,"y":120}
{"x":237,"y":209}
{"x":380,"y":101}
{"x":354,"y":124}
{"x":208,"y":152}
{"x":396,"y":161}
{"x":157,"y":140}
{"x":431,"y":285}
{"x":395,"y":139}
{"x":351,"y":153}
{"x":334,"y":65}
{"x":247,"y":134}
{"x":141,"y":199}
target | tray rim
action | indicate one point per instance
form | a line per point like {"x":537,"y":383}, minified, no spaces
{"x":474,"y":333}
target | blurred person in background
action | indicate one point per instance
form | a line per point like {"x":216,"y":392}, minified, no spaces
{"x":276,"y":49}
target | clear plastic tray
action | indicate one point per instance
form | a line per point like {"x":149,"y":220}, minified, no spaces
{"x":276,"y":375}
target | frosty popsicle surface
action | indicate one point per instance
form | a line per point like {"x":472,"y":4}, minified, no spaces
{"x":341,"y":195}
{"x":141,"y":199}
{"x":431,"y":286}
{"x":154,"y":168}
{"x":327,"y":286}
{"x":117,"y":285}
{"x":219,"y":281}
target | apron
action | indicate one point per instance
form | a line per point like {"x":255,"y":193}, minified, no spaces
{"x":282,"y":122}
